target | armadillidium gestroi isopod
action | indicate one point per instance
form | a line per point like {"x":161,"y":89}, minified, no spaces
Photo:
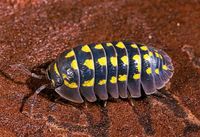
{"x":117,"y":69}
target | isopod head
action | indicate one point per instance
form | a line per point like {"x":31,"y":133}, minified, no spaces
{"x":53,"y":75}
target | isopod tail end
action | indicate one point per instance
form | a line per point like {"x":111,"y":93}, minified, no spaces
{"x":33,"y":102}
{"x":167,"y":66}
{"x":167,"y":60}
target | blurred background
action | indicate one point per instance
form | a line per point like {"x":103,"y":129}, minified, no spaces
{"x":34,"y":32}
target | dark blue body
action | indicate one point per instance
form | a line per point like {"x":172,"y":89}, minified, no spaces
{"x":117,"y":69}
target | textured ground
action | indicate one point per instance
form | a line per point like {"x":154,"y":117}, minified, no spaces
{"x":33,"y":32}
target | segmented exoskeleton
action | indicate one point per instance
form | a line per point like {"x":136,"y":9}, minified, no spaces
{"x":116,"y":69}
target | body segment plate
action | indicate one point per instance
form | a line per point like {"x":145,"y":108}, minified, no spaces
{"x":147,"y":79}
{"x":134,"y":77}
{"x":112,"y":67}
{"x":100,"y":64}
{"x":87,"y":73}
{"x":156,"y":69}
{"x":68,"y":69}
{"x":123,"y":67}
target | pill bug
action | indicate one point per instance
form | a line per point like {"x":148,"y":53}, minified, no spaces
{"x":117,"y":69}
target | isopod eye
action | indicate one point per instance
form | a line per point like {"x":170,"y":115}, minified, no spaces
{"x":58,"y":82}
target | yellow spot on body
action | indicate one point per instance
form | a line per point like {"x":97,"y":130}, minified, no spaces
{"x":88,"y":83}
{"x":70,"y":54}
{"x":89,"y":63}
{"x":64,"y":76}
{"x":150,"y":54}
{"x":109,"y":44}
{"x":134,"y":46}
{"x":157,"y":71}
{"x":102,"y":61}
{"x":148,"y":71}
{"x":102,"y":82}
{"x":56,"y":69}
{"x":122,"y":77}
{"x":144,"y":48}
{"x":157,"y":55}
{"x":86,"y":48}
{"x":113,"y":80}
{"x":136,"y":76}
{"x":138,"y":61}
{"x":53,"y":82}
{"x":113,"y":61}
{"x":98,"y":46}
{"x":146,"y":57}
{"x":136,"y":57}
{"x":74,"y":64}
{"x":70,"y":85}
{"x":160,"y":56}
{"x":164,"y":67}
{"x":120,"y":45}
{"x":125,"y":60}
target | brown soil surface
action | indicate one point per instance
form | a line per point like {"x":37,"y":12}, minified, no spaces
{"x":34,"y":32}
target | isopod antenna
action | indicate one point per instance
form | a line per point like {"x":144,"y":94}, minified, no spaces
{"x":28,"y":72}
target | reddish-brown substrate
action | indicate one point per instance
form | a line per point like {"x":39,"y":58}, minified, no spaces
{"x":33,"y":32}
